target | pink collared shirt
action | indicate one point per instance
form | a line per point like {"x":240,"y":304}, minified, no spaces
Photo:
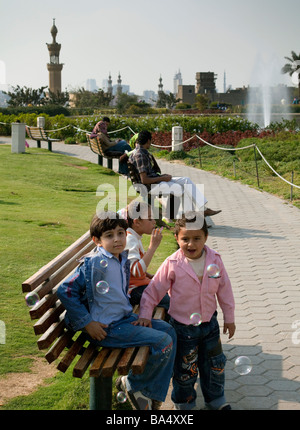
{"x":187,"y":294}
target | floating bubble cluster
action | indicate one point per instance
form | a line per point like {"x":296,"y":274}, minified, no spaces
{"x":32,"y":299}
{"x":196,"y":319}
{"x":213,"y":271}
{"x":243,"y":365}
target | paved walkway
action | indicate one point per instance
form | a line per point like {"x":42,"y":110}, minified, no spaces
{"x":258,"y":236}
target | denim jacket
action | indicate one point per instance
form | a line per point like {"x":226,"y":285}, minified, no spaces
{"x":77,"y":292}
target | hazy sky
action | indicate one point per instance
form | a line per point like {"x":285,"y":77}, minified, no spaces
{"x":143,"y":39}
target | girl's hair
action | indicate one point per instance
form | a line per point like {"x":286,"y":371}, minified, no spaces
{"x":104,"y":221}
{"x":137,"y":210}
{"x":196,"y":221}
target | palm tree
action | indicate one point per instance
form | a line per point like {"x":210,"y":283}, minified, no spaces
{"x":292,"y":67}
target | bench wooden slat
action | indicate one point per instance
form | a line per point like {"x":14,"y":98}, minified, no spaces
{"x":71,"y":353}
{"x":63,"y":272}
{"x":47,"y":270}
{"x":111,"y":362}
{"x":159,"y":313}
{"x":96,"y":146}
{"x":140,"y":360}
{"x":54,"y":331}
{"x":96,"y":367}
{"x":61,"y":343}
{"x":48,"y":318}
{"x":43,"y":305}
{"x":85,"y":360}
{"x":126,"y":360}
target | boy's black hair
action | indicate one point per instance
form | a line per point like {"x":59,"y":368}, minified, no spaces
{"x":106,"y":119}
{"x":104,"y":221}
{"x":136,"y":210}
{"x":143,"y":137}
{"x":191,"y":217}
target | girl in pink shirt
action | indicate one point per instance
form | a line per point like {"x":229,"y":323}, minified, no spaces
{"x":194,"y":288}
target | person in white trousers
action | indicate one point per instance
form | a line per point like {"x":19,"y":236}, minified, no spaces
{"x":191,"y":198}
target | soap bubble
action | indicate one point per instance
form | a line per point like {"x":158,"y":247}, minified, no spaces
{"x":32,"y":299}
{"x":196,"y":319}
{"x":213,"y":271}
{"x":243,"y":365}
{"x":121,"y":397}
{"x":103,"y":264}
{"x":102,"y":287}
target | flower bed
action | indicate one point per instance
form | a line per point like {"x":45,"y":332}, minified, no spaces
{"x":230,"y":138}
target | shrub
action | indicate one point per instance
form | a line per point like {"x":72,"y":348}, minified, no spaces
{"x":70,"y":141}
{"x":177,"y":155}
{"x":182,"y":106}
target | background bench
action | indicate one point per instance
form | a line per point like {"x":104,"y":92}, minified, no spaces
{"x":64,"y":345}
{"x":97,"y":147}
{"x":39,"y":134}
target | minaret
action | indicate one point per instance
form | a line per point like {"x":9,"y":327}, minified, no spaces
{"x":54,"y":66}
{"x":119,"y":87}
{"x":109,"y":84}
{"x":160,"y":85}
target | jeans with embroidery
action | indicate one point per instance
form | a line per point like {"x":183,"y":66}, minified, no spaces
{"x":154,"y":382}
{"x":199,"y":350}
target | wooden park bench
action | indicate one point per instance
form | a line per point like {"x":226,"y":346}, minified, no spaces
{"x":66,"y":346}
{"x":39,"y":134}
{"x":97,"y":147}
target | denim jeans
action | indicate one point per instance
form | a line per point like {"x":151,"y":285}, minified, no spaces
{"x":121,"y":146}
{"x":136,"y":295}
{"x":161,"y":338}
{"x":199,"y":350}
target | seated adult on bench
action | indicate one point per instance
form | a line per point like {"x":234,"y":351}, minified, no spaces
{"x":145,"y":162}
{"x":100,"y":130}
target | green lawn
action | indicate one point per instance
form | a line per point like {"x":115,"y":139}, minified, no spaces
{"x":47,"y":201}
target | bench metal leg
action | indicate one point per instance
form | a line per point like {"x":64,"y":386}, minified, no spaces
{"x":38,"y":143}
{"x":100,"y":160}
{"x":100,"y":393}
{"x":110,"y":163}
{"x":49,"y":145}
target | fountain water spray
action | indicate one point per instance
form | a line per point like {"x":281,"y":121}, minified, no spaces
{"x":262,"y":94}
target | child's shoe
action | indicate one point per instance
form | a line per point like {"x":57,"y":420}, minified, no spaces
{"x":225,"y":407}
{"x":156,"y":405}
{"x":137,"y":399}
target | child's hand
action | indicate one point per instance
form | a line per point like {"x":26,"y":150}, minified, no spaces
{"x":156,"y":237}
{"x":230,"y":327}
{"x":95,"y":330}
{"x":142,"y":321}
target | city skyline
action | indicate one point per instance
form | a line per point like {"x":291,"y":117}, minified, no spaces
{"x":144,"y":41}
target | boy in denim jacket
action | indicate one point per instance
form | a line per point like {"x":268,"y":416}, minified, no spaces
{"x":96,"y":300}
